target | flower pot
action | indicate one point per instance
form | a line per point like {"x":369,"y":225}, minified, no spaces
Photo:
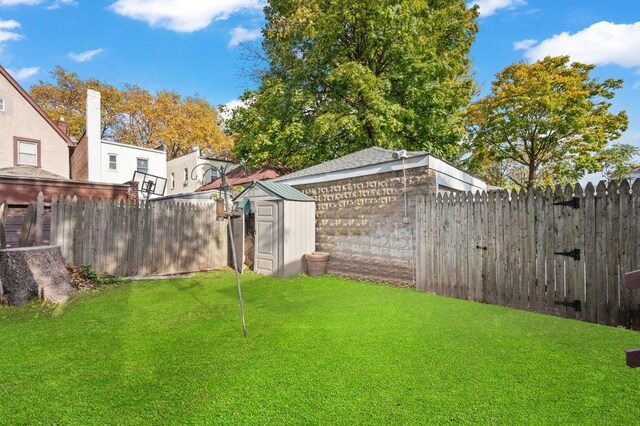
{"x":317,"y":263}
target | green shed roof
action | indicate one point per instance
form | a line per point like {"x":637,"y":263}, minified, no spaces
{"x":281,"y":190}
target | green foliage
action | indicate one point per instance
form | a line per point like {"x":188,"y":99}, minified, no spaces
{"x":320,"y":351}
{"x":546,"y":122}
{"x":618,"y":161}
{"x":344,"y":75}
{"x":91,"y":275}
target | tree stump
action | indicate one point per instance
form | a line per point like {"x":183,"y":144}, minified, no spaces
{"x":34,"y":271}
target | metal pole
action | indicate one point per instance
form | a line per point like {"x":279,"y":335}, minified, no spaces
{"x":233,"y":255}
{"x":222,"y":171}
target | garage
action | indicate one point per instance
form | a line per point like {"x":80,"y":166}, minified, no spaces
{"x":278,"y":224}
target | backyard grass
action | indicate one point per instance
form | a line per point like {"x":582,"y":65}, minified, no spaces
{"x":320,"y":350}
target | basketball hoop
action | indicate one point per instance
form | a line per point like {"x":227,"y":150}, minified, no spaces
{"x":149,"y":184}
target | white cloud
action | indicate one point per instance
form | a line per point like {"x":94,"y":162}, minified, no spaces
{"x":524,"y":44}
{"x":9,"y":25}
{"x":7,"y":34}
{"x":230,"y":106}
{"x":57,"y":4}
{"x":490,"y":7}
{"x":86,"y":55}
{"x":241,"y":34}
{"x":601,"y":43}
{"x":24,"y":73}
{"x":19,"y":2}
{"x":182,"y":15}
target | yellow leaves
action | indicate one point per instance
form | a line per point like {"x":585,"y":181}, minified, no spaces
{"x":135,"y":116}
{"x":173,"y":121}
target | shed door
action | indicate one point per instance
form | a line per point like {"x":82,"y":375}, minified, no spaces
{"x":267,"y":238}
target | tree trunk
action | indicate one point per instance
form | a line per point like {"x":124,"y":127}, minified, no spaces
{"x":531,"y":181}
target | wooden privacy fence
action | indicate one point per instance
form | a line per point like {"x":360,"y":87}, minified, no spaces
{"x":138,"y":237}
{"x":561,"y":251}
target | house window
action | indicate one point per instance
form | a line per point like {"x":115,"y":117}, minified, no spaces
{"x":173,"y":180}
{"x":113,"y":162}
{"x":186,"y":177}
{"x":214,"y":174}
{"x":26,"y":152}
{"x":143,"y":165}
{"x":1,"y":105}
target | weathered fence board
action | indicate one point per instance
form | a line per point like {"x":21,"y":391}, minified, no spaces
{"x":136,"y":238}
{"x":3,"y":221}
{"x":517,"y":249}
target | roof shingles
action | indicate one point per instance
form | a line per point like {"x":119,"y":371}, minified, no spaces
{"x":365,"y":157}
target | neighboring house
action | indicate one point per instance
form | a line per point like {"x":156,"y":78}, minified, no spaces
{"x":237,"y":178}
{"x":98,"y":160}
{"x":635,"y":174}
{"x":28,"y":136}
{"x":240,"y":176}
{"x":189,"y":172}
{"x":365,"y":218}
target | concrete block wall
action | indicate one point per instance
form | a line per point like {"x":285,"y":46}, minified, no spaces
{"x":359,"y":221}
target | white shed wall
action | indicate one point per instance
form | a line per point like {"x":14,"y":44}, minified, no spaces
{"x":299,"y":235}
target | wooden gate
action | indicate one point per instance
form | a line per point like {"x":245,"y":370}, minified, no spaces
{"x":561,"y":251}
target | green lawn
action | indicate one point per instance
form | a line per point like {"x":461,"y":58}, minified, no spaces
{"x":322,"y":350}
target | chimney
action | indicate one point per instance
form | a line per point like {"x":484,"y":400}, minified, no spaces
{"x":94,"y":136}
{"x":62,"y":125}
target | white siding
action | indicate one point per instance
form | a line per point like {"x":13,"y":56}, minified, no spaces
{"x":449,"y":177}
{"x":127,"y":162}
{"x":299,"y":235}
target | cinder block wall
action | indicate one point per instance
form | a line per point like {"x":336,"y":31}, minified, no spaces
{"x":359,"y":221}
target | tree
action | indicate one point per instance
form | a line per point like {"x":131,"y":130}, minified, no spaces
{"x":171,"y":120}
{"x":349,"y":74}
{"x":66,"y":98}
{"x":618,"y":161}
{"x":549,"y":121}
{"x":135,"y":116}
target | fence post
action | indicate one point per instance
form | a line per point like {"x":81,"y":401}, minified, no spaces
{"x":3,"y":220}
{"x":39,"y":219}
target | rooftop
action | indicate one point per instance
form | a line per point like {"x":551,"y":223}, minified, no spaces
{"x":29,"y":172}
{"x":281,"y":190}
{"x":365,"y":157}
{"x":238,"y":176}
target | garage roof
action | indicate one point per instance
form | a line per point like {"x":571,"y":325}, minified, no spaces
{"x":365,"y":157}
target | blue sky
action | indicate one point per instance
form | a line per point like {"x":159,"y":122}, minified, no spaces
{"x":191,"y":45}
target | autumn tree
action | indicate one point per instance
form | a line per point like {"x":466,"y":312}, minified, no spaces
{"x":136,"y":116}
{"x":169,"y":119}
{"x":343,"y":75}
{"x":65,"y":97}
{"x":546,"y":122}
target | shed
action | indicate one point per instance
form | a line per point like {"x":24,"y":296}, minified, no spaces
{"x":279,"y":224}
